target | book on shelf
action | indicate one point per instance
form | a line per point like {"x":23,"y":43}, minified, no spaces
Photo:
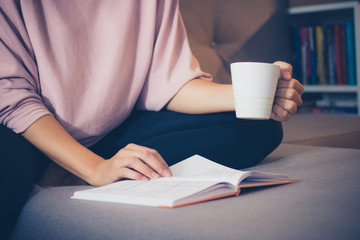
{"x":343,"y":57}
{"x":303,"y":63}
{"x":330,"y":55}
{"x":320,"y":69}
{"x":297,"y":53}
{"x":325,"y":54}
{"x":312,"y":59}
{"x":195,"y":179}
{"x":338,"y":59}
{"x":350,"y":50}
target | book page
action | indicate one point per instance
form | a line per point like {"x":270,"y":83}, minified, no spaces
{"x":152,"y":193}
{"x":197,"y":168}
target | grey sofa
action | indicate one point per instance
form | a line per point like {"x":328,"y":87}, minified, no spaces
{"x":321,"y":153}
{"x":322,"y":203}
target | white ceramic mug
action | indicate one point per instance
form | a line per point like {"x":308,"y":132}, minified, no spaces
{"x":254,"y":86}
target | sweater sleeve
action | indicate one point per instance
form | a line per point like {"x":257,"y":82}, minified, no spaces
{"x":20,"y":101}
{"x":173,"y":63}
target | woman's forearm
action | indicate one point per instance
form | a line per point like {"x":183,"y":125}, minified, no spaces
{"x":202,"y":96}
{"x":52,"y":139}
{"x":131,"y":162}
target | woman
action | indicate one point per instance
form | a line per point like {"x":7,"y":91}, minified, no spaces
{"x":110,"y":90}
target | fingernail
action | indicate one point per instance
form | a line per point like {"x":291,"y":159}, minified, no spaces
{"x":155,"y":175}
{"x":167,"y":173}
{"x":288,"y":75}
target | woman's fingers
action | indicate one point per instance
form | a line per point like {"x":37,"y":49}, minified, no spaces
{"x":151,"y":158}
{"x":145,"y":150}
{"x":287,"y":99}
{"x":138,"y":162}
{"x":285,"y":69}
{"x":288,"y":105}
{"x":292,"y":84}
{"x":285,"y":105}
{"x":279,"y":113}
{"x":289,"y":94}
{"x":130,"y":174}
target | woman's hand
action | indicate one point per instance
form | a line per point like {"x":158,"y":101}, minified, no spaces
{"x":288,"y":94}
{"x":132,"y":162}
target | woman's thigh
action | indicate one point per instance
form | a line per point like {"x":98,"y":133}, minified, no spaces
{"x":220,"y":137}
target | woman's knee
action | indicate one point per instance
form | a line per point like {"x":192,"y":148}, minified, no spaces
{"x":263,"y":138}
{"x":269,"y":134}
{"x":249,"y":142}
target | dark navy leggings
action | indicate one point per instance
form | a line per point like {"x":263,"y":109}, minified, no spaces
{"x":220,"y":137}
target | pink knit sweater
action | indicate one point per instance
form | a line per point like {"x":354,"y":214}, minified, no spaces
{"x":89,"y":63}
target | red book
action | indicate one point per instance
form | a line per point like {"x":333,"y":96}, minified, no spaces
{"x":344,"y":64}
{"x":308,"y":54}
{"x":303,"y":43}
{"x":337,"y":44}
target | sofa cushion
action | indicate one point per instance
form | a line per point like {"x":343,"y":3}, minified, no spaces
{"x":332,"y":130}
{"x":221,"y":32}
{"x":321,"y":203}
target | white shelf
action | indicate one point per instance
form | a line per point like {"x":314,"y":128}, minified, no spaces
{"x":330,"y":89}
{"x":322,"y":7}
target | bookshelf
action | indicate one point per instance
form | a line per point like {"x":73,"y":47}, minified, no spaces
{"x":326,"y":85}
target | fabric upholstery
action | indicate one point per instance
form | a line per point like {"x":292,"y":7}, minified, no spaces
{"x":221,"y":32}
{"x":321,"y":203}
{"x":332,"y":130}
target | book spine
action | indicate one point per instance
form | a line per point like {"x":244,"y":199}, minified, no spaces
{"x":325,"y":55}
{"x":312,"y":55}
{"x":350,"y":50}
{"x":331,"y":55}
{"x":308,"y":54}
{"x":320,"y":54}
{"x":337,"y":54}
{"x":297,"y":43}
{"x":303,"y":55}
{"x":343,"y":53}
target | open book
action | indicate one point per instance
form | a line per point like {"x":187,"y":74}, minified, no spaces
{"x":195,"y":179}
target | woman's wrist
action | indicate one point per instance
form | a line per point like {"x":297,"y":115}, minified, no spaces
{"x":88,"y":167}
